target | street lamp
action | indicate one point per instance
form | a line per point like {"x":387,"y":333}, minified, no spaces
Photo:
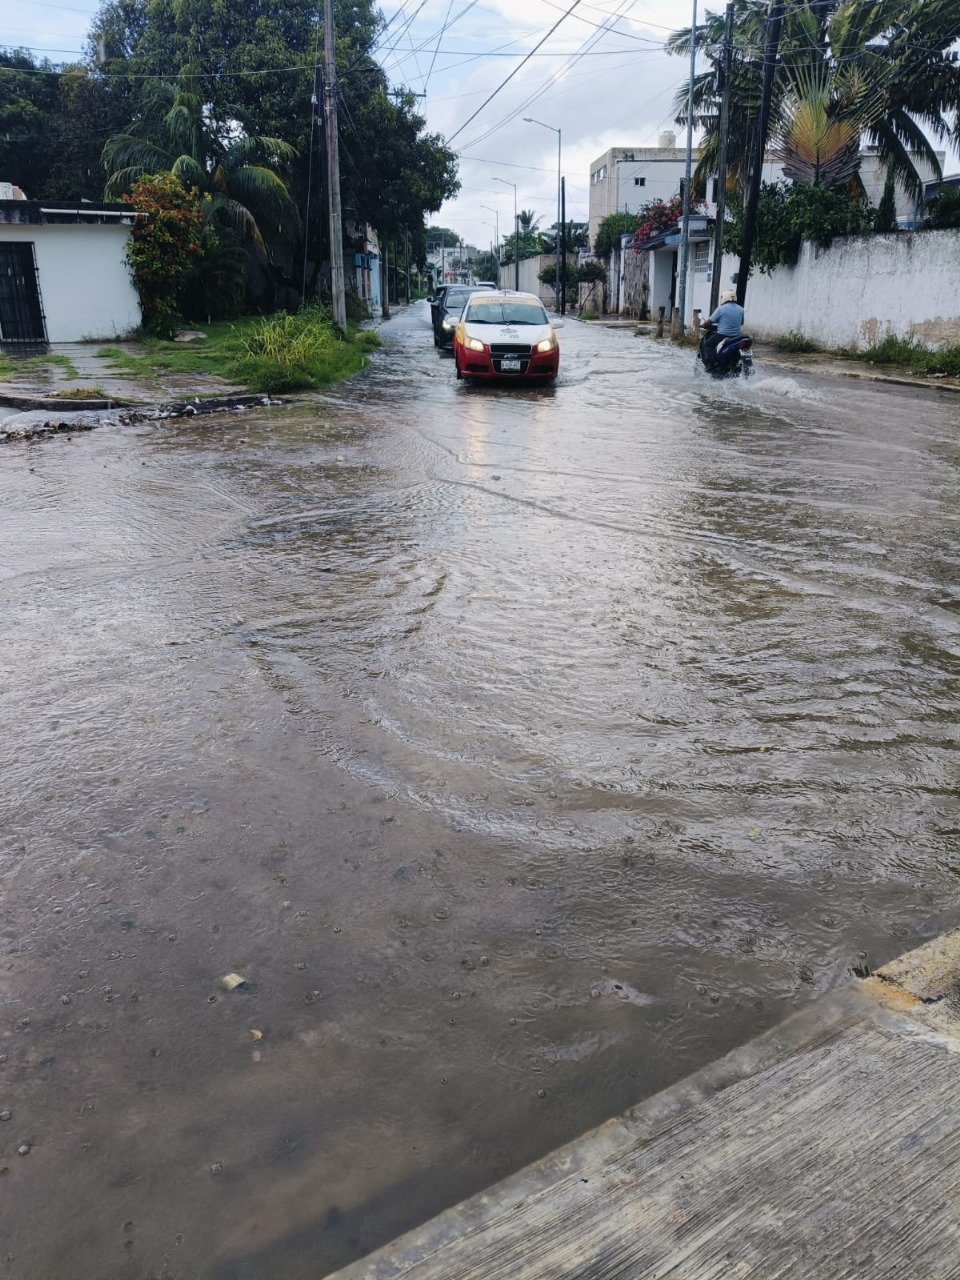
{"x":516,"y":235}
{"x":496,"y":218}
{"x":530,"y":120}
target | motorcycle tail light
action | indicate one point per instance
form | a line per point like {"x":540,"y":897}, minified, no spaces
{"x":746,"y":344}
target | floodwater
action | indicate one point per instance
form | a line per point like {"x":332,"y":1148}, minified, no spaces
{"x":523,"y":749}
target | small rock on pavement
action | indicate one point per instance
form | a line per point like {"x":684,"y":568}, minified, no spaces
{"x":216,"y":1167}
{"x":24,"y":1149}
{"x":5,"y":1114}
{"x":232,"y":981}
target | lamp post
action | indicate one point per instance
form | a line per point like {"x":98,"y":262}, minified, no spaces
{"x":496,"y":219}
{"x":516,"y":235}
{"x":560,"y":272}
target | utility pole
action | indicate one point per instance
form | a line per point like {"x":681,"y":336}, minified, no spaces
{"x":685,"y":229}
{"x":337,"y":287}
{"x":774,"y":26}
{"x":726,"y":90}
{"x":385,"y":285}
{"x":562,"y":259}
{"x":406,"y":263}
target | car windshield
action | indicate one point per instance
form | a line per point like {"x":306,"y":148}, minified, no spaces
{"x":454,"y":301}
{"x":506,"y":313}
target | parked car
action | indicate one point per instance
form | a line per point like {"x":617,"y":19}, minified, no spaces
{"x":506,"y":335}
{"x":448,"y":312}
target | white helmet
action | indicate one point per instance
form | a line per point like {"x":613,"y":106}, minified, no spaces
{"x":729,"y":295}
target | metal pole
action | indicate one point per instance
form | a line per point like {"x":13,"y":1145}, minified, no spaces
{"x":774,"y":25}
{"x":385,"y":285}
{"x":562,"y":263}
{"x":516,"y":244}
{"x":406,"y":264}
{"x":560,"y":222}
{"x":685,"y":231}
{"x":337,"y":290}
{"x":722,"y":162}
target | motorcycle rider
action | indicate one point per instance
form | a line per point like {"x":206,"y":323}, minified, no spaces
{"x":728,"y":322}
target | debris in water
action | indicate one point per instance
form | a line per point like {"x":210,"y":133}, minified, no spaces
{"x":24,"y":1148}
{"x":255,"y":1034}
{"x":216,"y":1167}
{"x":231,"y":981}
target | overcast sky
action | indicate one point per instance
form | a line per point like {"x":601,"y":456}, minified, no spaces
{"x":602,"y":88}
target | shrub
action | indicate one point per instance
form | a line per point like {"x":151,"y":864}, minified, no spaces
{"x":613,"y":226}
{"x":789,"y":214}
{"x":296,"y":352}
{"x":795,"y":341}
{"x":165,"y":242}
{"x":909,"y":352}
{"x":943,"y":211}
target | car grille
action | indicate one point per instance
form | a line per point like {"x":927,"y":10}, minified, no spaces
{"x":500,"y":349}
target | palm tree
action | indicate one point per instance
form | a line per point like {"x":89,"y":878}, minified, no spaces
{"x":879,"y":71}
{"x":236,"y":174}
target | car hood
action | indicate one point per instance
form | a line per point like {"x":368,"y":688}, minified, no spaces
{"x":513,"y":334}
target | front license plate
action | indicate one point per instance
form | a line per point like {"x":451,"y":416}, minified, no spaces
{"x":510,"y":366}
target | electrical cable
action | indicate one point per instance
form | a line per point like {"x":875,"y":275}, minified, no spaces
{"x":517,"y":68}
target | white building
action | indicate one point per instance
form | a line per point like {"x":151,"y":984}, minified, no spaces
{"x":624,"y":179}
{"x":63,"y":272}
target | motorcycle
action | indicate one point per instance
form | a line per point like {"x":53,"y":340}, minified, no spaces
{"x":732,"y":357}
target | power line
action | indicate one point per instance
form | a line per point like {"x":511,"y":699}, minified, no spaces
{"x":517,"y":68}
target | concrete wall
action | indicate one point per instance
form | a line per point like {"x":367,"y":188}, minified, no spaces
{"x":855,"y":292}
{"x":530,"y":269}
{"x":85,"y":285}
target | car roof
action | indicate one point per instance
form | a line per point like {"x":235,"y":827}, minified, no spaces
{"x":509,"y":295}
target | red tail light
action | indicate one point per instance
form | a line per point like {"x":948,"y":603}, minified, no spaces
{"x":746,"y":344}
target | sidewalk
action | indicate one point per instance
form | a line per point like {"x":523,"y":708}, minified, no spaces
{"x":827,"y":1148}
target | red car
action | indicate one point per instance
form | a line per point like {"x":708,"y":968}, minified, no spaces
{"x":506,"y":335}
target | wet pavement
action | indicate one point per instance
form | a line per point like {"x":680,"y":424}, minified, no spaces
{"x":523,"y":749}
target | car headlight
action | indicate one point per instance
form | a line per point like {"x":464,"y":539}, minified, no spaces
{"x":474,"y":344}
{"x":449,"y":323}
{"x":548,"y":344}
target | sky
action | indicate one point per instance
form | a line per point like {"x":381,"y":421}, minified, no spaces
{"x":602,"y":77}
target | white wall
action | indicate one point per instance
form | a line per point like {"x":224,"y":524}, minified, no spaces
{"x":855,"y":292}
{"x":85,"y":285}
{"x":530,"y":269}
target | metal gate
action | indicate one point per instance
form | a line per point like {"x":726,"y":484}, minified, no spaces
{"x":21,"y":315}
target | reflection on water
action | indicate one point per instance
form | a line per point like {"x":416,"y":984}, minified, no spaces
{"x":515,"y":742}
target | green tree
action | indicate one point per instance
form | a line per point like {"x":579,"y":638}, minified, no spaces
{"x":611,"y":228}
{"x":884,"y":67}
{"x":26,"y":105}
{"x":258,"y":75}
{"x":485,"y":266}
{"x":442,"y":238}
{"x":236,"y":174}
{"x":886,"y":215}
{"x":88,"y":109}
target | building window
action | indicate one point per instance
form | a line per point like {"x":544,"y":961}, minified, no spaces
{"x":639,"y":182}
{"x":701,"y":257}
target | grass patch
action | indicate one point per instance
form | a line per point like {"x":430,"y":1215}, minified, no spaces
{"x":916,"y":357}
{"x":82,"y":393}
{"x":796,"y":342}
{"x":24,"y":366}
{"x":266,"y":353}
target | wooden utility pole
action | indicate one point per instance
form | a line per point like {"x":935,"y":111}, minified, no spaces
{"x":726,"y":90}
{"x":774,"y":26}
{"x":685,"y":227}
{"x":337,"y":283}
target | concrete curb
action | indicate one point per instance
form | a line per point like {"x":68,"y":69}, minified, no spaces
{"x":906,"y":1000}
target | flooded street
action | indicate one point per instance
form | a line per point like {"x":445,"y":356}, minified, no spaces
{"x":523,"y":749}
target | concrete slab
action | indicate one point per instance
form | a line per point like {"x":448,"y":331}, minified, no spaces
{"x":828,"y":1148}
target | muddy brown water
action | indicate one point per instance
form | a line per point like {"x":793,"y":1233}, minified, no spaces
{"x":524,"y":749}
